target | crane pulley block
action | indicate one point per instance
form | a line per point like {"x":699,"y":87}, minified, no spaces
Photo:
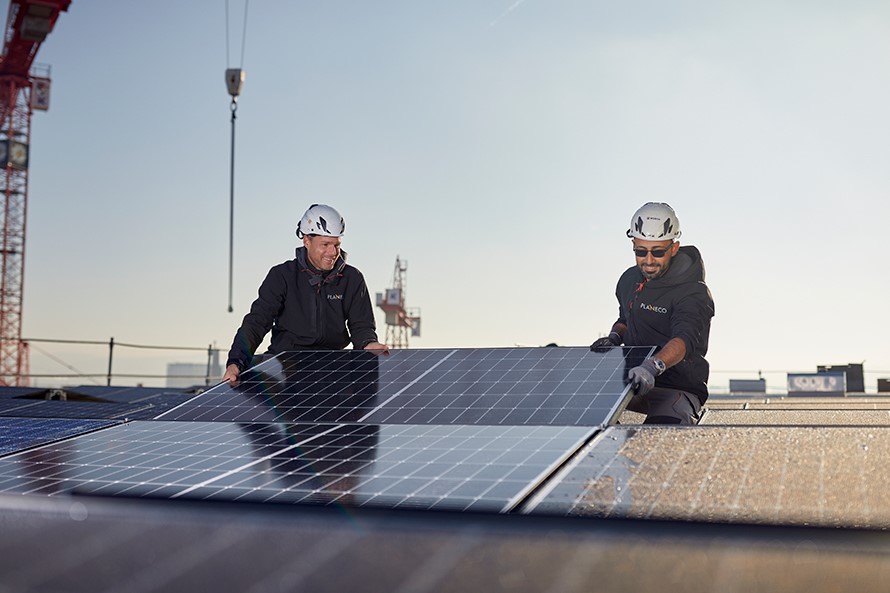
{"x":234,"y":81}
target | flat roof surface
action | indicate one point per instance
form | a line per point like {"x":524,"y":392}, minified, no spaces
{"x":797,"y":417}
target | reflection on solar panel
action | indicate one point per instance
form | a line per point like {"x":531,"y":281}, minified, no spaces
{"x":453,"y":467}
{"x":17,"y":434}
{"x":490,"y":386}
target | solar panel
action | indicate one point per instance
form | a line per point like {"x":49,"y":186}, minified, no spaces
{"x":484,"y":386}
{"x":441,"y":467}
{"x":128,"y":394}
{"x":8,"y":392}
{"x":70,"y":409}
{"x":17,"y":434}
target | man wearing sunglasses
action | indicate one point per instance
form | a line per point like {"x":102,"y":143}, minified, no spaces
{"x":663,"y":301}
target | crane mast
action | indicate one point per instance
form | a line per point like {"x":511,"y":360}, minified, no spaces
{"x":21,"y":91}
{"x":398,"y":319}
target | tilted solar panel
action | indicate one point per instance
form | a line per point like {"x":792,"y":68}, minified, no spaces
{"x":474,"y":386}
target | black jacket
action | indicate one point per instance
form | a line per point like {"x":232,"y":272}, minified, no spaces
{"x":677,"y":305}
{"x":306,"y":310}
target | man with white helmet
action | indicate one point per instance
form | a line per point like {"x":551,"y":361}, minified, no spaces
{"x":663,"y":301}
{"x":313,"y":302}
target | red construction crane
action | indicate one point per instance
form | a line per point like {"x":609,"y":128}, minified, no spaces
{"x":21,"y":91}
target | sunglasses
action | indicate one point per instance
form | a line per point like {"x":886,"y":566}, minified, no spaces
{"x":656,"y":251}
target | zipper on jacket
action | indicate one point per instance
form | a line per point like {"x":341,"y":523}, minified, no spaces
{"x":633,"y":301}
{"x":319,"y":313}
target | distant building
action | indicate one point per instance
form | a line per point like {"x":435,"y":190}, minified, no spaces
{"x":189,"y":374}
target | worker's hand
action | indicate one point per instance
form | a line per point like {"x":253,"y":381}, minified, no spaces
{"x":607,"y":343}
{"x":231,"y":376}
{"x":378,"y":348}
{"x":642,"y":378}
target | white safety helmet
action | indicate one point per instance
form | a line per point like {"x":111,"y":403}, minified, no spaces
{"x":654,"y":221}
{"x":321,"y":219}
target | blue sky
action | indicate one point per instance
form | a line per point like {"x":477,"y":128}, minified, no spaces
{"x":500,"y":147}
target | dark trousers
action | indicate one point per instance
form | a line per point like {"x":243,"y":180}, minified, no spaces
{"x":667,"y":406}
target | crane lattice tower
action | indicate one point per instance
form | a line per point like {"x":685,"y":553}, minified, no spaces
{"x":21,"y":91}
{"x":399,"y":320}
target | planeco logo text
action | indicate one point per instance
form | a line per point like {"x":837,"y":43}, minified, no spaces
{"x":653,"y":308}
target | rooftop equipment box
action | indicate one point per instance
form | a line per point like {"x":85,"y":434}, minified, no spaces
{"x":747,"y":385}
{"x":854,"y":373}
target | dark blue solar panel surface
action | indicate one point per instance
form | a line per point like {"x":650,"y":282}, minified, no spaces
{"x":128,"y":394}
{"x":492,"y":386}
{"x":8,"y":406}
{"x":70,"y":409}
{"x":453,"y":467}
{"x":17,"y":434}
{"x":8,"y":392}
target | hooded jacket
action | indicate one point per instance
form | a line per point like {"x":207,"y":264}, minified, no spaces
{"x":306,"y":310}
{"x":676,"y":305}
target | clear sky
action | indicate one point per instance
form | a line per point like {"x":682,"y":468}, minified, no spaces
{"x":500,"y":147}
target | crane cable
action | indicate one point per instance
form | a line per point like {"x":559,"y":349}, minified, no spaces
{"x":243,"y":34}
{"x":234,"y":81}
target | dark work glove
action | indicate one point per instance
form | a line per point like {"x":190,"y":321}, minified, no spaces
{"x":642,"y":378}
{"x":607,"y":343}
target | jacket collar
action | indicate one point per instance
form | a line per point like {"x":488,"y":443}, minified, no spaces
{"x":317,"y":277}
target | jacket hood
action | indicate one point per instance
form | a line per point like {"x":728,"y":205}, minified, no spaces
{"x":686,"y":266}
